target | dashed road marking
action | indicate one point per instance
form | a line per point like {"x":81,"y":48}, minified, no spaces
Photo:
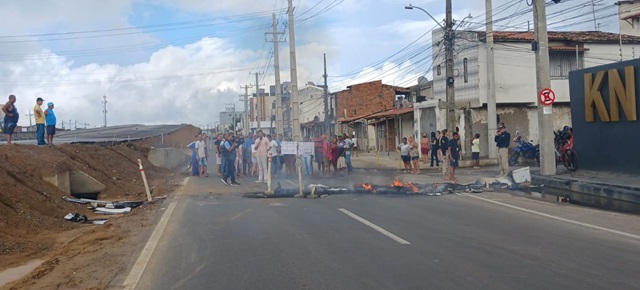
{"x":375,"y":227}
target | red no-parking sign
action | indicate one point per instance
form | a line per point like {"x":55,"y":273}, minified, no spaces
{"x":547,"y":97}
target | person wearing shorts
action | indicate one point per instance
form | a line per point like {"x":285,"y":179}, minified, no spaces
{"x":318,"y":146}
{"x":404,"y":154}
{"x":50,"y":121}
{"x":11,"y":117}
{"x":454,"y":156}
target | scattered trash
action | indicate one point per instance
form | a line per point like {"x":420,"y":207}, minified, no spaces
{"x":104,"y":210}
{"x":105,"y":203}
{"x":78,"y":218}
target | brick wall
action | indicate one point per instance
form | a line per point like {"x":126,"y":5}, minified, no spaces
{"x":365,"y":98}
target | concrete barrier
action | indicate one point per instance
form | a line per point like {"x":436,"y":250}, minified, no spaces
{"x":611,"y":197}
{"x":169,"y":158}
{"x":75,"y":182}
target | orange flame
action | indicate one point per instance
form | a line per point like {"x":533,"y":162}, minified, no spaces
{"x":368,"y":187}
{"x":397,"y":183}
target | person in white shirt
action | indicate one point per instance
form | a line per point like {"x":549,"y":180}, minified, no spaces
{"x":404,"y":154}
{"x":273,"y":150}
{"x":475,"y":150}
{"x":201,"y":151}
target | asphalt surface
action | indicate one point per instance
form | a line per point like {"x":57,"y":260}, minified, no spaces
{"x":110,"y":134}
{"x":217,"y":239}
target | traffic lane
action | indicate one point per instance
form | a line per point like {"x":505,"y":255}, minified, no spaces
{"x":501,"y":248}
{"x":235,"y":243}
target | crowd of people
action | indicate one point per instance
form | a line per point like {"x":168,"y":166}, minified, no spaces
{"x":45,"y":121}
{"x":437,"y":150}
{"x":247,"y":156}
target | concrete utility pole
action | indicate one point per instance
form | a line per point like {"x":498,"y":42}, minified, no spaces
{"x":295,"y":103}
{"x":276,"y":69}
{"x":29,"y":115}
{"x":491,"y":84}
{"x":449,"y":42}
{"x":326,"y":97}
{"x":259,"y":110}
{"x":545,"y":113}
{"x":104,"y":109}
{"x":245,"y":119}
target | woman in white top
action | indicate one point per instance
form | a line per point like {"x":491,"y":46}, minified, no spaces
{"x":254,"y":158}
{"x":475,"y":150}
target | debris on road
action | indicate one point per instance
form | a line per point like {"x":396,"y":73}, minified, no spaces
{"x":104,"y":210}
{"x":397,"y":187}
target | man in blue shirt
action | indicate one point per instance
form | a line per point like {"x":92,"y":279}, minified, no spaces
{"x":50,"y":122}
{"x":503,"y":138}
{"x":228,"y":148}
{"x":246,"y":154}
{"x":454,"y":155}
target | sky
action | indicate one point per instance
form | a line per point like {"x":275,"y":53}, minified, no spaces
{"x":183,"y":61}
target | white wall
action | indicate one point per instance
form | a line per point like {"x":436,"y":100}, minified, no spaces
{"x":311,"y":103}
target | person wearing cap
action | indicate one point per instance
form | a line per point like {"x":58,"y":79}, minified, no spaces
{"x":40,"y":127}
{"x":11,"y":117}
{"x":503,"y":138}
{"x":50,"y":121}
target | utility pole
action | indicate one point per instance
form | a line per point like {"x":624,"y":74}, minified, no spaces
{"x":449,"y":42}
{"x":545,"y":113}
{"x":258,"y":101}
{"x":29,"y":115}
{"x":295,"y":104}
{"x":276,"y":65}
{"x":492,"y":122}
{"x":245,"y":120}
{"x":104,"y":109}
{"x":326,"y":97}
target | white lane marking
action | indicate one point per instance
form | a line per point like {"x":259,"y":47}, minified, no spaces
{"x":612,"y":231}
{"x":141,"y":263}
{"x":375,"y":227}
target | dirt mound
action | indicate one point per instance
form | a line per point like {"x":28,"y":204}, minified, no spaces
{"x":32,"y":210}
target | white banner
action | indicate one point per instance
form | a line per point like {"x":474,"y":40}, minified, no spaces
{"x":289,"y":147}
{"x":306,"y":148}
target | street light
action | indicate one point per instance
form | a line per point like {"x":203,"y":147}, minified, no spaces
{"x":449,"y":39}
{"x":410,"y":7}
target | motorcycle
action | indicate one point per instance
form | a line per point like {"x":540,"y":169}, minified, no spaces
{"x":524,"y":148}
{"x":567,"y":156}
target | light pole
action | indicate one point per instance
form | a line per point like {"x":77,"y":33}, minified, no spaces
{"x":448,"y":42}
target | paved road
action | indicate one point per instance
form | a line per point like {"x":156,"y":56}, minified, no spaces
{"x":219,"y":240}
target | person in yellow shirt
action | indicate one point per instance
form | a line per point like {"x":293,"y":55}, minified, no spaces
{"x":39,"y":114}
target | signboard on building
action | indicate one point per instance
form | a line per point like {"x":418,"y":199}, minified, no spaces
{"x":604,"y":110}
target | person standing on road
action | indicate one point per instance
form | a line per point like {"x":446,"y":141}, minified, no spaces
{"x":326,"y":152}
{"x":404,"y":154}
{"x":262,"y":147}
{"x":307,"y":163}
{"x":273,"y":150}
{"x":201,"y":150}
{"x":454,"y":155}
{"x":247,"y":154}
{"x":40,"y":123}
{"x":11,"y":117}
{"x":335,"y":154}
{"x":414,"y":154}
{"x":228,"y":148}
{"x":195,"y":170}
{"x":475,"y":150}
{"x":503,"y":138}
{"x":318,"y":146}
{"x":50,"y":121}
{"x":218,"y":153}
{"x":444,"y":148}
{"x":435,"y":148}
{"x":348,"y":146}
{"x":424,"y":147}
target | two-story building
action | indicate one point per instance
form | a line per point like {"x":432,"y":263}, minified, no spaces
{"x":515,"y":78}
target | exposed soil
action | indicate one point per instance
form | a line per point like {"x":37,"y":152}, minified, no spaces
{"x":77,"y":256}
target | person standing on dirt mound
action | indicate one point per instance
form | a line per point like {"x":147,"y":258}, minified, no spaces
{"x":50,"y":121}
{"x":11,"y":117}
{"x":40,"y":124}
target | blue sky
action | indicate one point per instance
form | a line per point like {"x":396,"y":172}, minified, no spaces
{"x":193,"y":69}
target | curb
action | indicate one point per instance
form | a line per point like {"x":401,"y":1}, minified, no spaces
{"x":611,"y":197}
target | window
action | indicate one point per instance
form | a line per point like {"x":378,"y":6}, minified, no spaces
{"x":465,"y":69}
{"x":438,"y":70}
{"x":562,"y":62}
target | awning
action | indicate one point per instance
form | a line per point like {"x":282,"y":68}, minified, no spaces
{"x":390,"y":113}
{"x":567,"y":48}
{"x":351,"y":119}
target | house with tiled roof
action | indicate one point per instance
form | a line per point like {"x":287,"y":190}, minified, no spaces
{"x":515,"y":75}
